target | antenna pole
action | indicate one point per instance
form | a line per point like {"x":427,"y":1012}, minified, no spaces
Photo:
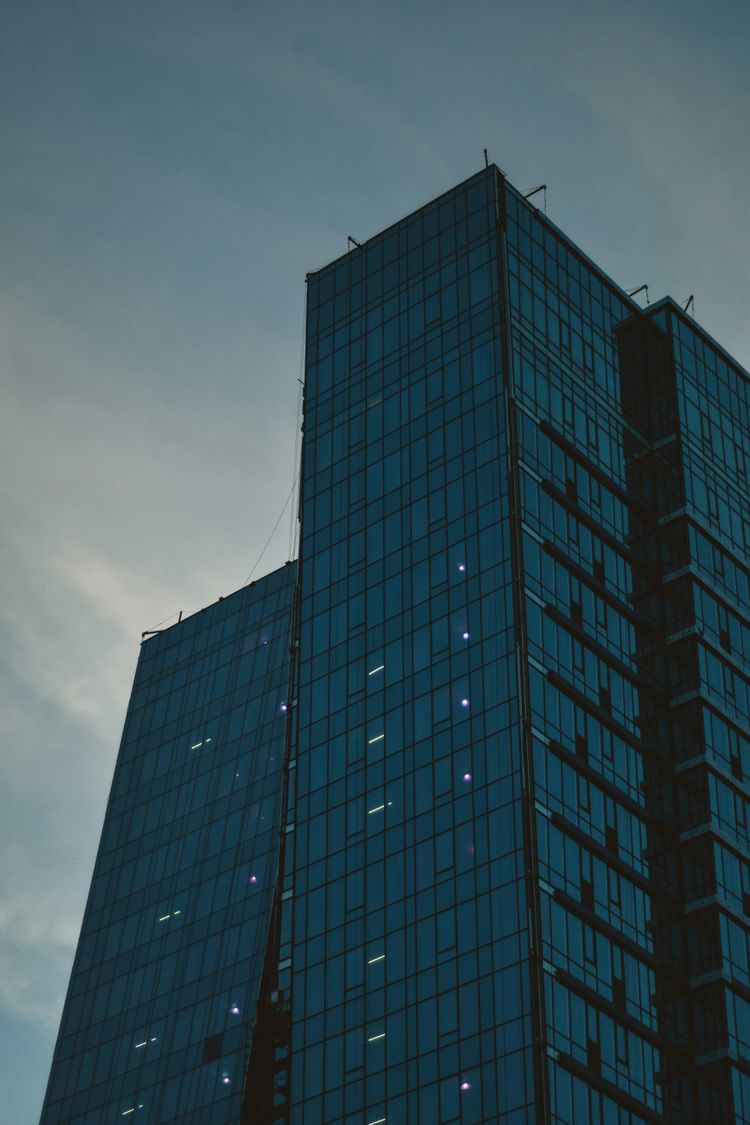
{"x":635,"y":292}
{"x":542,"y":187}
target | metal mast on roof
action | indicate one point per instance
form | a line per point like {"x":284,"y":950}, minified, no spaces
{"x":634,"y":292}
{"x":542,"y":187}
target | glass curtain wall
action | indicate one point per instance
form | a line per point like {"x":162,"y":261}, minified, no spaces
{"x":409,"y":968}
{"x":158,"y":1020}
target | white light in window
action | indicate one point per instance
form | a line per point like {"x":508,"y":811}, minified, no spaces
{"x":196,"y":746}
{"x":143,"y":1044}
{"x":465,"y":1086}
{"x":177,"y":912}
{"x":374,"y":960}
{"x":466,"y":636}
{"x":234,"y":1010}
{"x":284,"y":708}
{"x":152,"y":1040}
{"x":464,"y":703}
{"x":253,"y":878}
{"x":125,"y":1112}
{"x":374,"y":1038}
{"x":378,"y":808}
{"x":377,"y":738}
{"x":164,"y":917}
{"x":377,"y":1121}
{"x":225,"y":1080}
{"x":208,"y":740}
{"x":467,"y":777}
{"x":379,"y":668}
{"x":462,"y":568}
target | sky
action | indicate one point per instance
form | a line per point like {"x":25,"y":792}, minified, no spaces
{"x":169,"y":172}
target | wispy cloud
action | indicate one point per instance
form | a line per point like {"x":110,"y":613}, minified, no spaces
{"x":38,"y":934}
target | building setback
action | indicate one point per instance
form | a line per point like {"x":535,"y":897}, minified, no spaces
{"x":448,"y":821}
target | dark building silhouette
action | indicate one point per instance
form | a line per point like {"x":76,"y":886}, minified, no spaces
{"x":447,"y":822}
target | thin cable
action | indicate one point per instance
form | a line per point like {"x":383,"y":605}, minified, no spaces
{"x":275,"y":527}
{"x":160,"y":623}
{"x":294,"y":514}
{"x":296,"y":466}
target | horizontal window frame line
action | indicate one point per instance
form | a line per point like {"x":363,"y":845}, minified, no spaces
{"x":648,"y":886}
{"x":607,"y":720}
{"x":618,"y":1015}
{"x":707,"y":701}
{"x":709,"y":829}
{"x":696,"y":576}
{"x":570,"y":374}
{"x":700,"y":907}
{"x":641,"y":812}
{"x":609,"y":1089}
{"x":722,"y":1055}
{"x":613,"y":418}
{"x":718,"y":977}
{"x":593,"y":470}
{"x":602,"y":653}
{"x":727,"y":661}
{"x":617,"y":937}
{"x":638,"y":620}
{"x":702,"y":761}
{"x":737,"y":558}
{"x":617,"y":545}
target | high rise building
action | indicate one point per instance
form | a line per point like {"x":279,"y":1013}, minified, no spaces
{"x":164,"y":987}
{"x":486,"y":859}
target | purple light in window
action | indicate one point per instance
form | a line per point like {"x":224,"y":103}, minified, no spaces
{"x":467,"y":777}
{"x":234,"y":1010}
{"x":464,"y":703}
{"x":466,"y":636}
{"x":462,"y":568}
{"x":465,"y":1085}
{"x":253,"y":878}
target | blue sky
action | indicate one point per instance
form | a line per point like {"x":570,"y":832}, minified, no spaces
{"x":169,"y":173}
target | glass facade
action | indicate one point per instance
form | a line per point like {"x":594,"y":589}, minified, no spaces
{"x":409,"y":951}
{"x":161,"y":1004}
{"x":501,"y":749}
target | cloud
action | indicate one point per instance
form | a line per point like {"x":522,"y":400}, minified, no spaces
{"x":672,"y":161}
{"x":55,"y":770}
{"x":126,"y":498}
{"x":38,"y":934}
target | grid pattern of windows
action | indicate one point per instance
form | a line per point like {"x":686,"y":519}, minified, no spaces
{"x":158,"y":1020}
{"x":511,"y":878}
{"x":583,"y":642}
{"x":713,"y":645}
{"x":409,"y":978}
